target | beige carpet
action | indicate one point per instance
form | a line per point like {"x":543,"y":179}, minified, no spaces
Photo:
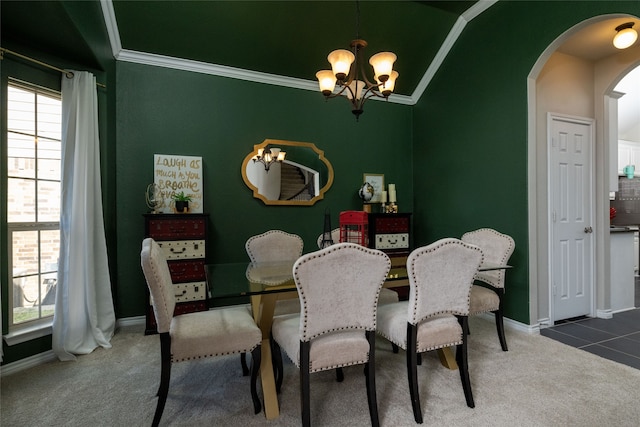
{"x":539,"y":382}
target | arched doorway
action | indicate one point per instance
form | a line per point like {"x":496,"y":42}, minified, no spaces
{"x":601,"y":74}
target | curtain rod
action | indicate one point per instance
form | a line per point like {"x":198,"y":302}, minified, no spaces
{"x":67,"y":73}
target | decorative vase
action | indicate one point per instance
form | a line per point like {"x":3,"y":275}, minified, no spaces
{"x":182,"y":206}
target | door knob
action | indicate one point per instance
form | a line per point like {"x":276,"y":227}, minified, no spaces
{"x":588,"y":230}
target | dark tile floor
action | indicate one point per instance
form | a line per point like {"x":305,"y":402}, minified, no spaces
{"x":617,"y":339}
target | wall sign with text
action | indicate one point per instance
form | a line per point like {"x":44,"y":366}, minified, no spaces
{"x":173,"y":174}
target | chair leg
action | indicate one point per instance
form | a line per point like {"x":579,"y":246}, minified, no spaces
{"x":339,"y":375}
{"x":276,"y":359}
{"x":500,"y":321}
{"x":463,"y":367}
{"x":255,"y":370}
{"x":412,"y":371}
{"x":165,"y":376}
{"x":305,"y":398}
{"x":243,"y":362}
{"x":500,"y":329}
{"x":370,"y":376}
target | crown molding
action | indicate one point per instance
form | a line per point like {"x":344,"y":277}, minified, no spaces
{"x":477,"y":9}
{"x":231,"y":72}
{"x":112,"y":26}
{"x":437,"y":61}
{"x":273,"y":79}
{"x":448,"y":43}
{"x":213,"y":69}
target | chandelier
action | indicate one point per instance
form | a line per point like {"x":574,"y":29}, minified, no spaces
{"x":269,"y":156}
{"x":352,"y":81}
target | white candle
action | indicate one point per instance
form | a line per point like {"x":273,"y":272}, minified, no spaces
{"x":384,"y":197}
{"x":392,"y":196}
{"x":392,"y":187}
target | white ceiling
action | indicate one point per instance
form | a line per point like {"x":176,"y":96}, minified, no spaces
{"x":593,"y":43}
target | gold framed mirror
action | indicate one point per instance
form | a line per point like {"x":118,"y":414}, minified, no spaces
{"x":281,"y":172}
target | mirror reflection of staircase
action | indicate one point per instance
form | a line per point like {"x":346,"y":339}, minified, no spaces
{"x":293,"y":183}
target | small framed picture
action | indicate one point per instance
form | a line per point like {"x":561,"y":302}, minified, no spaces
{"x":377,"y":182}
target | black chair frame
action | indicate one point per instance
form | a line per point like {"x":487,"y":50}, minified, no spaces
{"x":165,"y":377}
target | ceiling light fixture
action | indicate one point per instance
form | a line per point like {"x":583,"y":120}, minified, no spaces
{"x":352,"y":80}
{"x":269,"y":157}
{"x":626,"y":36}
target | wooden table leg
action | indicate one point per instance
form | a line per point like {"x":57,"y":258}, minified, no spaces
{"x":265,"y":308}
{"x":265,"y":319}
{"x":447,"y":358}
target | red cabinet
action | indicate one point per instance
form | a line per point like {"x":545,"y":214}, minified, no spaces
{"x":391,"y":233}
{"x":183,"y":238}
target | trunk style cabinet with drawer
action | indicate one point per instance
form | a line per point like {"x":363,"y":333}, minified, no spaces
{"x":391,"y":233}
{"x":183,"y":238}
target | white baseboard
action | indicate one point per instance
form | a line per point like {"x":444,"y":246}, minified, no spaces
{"x":28,"y":362}
{"x":604,"y":314}
{"x":621,"y":310}
{"x":50,"y":356}
{"x":131,"y":321}
{"x":514,"y":324}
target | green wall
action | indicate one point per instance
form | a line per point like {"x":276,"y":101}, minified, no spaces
{"x":471,"y":128}
{"x":458,"y":157}
{"x":166,"y":111}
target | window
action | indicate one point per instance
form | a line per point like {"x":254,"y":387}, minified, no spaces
{"x":33,"y":201}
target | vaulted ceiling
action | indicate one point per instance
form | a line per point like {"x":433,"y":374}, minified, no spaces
{"x":279,"y":42}
{"x":288,"y":39}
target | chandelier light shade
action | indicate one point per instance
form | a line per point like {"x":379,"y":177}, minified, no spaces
{"x":382,"y":64}
{"x":341,"y":61}
{"x":625,"y":36}
{"x":387,"y":87}
{"x":269,"y":156}
{"x":327,"y":81}
{"x":348,"y":74}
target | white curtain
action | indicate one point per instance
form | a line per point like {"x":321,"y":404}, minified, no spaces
{"x":84,"y":317}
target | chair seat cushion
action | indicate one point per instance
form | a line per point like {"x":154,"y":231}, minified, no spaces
{"x":329,"y":351}
{"x":392,"y":322}
{"x":433,"y":333}
{"x":287,"y":306}
{"x":438,"y":332}
{"x":483,"y":300}
{"x":213,"y":333}
{"x":387,"y":296}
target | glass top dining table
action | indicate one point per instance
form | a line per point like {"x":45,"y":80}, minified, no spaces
{"x":246,"y":279}
{"x":265,"y":283}
{"x":242,"y":279}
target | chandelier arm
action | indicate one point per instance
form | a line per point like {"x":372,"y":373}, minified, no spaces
{"x":369,"y":84}
{"x":373,"y":93}
{"x":369,"y":94}
{"x":340,"y":92}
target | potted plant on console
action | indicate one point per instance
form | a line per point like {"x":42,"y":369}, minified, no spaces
{"x":181,"y":202}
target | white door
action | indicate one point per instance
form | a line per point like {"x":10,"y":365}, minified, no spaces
{"x":571,"y":201}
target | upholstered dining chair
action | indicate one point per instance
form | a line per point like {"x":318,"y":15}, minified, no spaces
{"x":487,"y":297}
{"x":193,"y":336}
{"x":274,"y":245}
{"x":435,"y":316}
{"x":386,"y":295}
{"x":338,"y":288}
